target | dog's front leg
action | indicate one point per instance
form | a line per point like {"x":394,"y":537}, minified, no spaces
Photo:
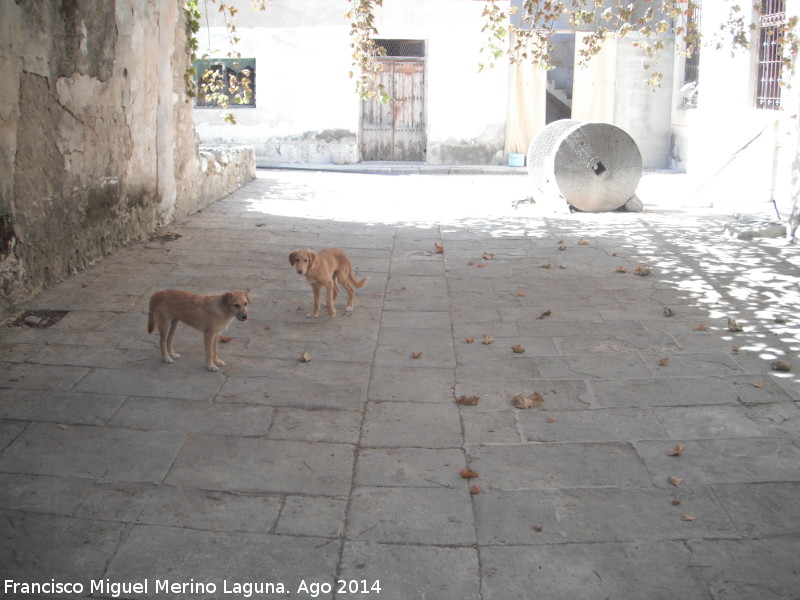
{"x":317,"y":292}
{"x":210,"y":342}
{"x":167,"y":339}
{"x":215,"y":348}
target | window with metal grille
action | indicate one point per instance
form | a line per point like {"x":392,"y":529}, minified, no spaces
{"x":225,"y":82}
{"x":770,"y":34}
{"x":691,"y":68}
{"x":403,"y":48}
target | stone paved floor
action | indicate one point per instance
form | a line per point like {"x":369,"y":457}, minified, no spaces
{"x":118,"y":469}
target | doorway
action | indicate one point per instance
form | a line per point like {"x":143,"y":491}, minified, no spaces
{"x":395,"y":130}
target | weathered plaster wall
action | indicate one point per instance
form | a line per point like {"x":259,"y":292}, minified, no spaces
{"x":737,"y":156}
{"x":97,"y":145}
{"x":306,"y":106}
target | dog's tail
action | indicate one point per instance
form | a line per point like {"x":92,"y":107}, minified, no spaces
{"x":355,"y":282}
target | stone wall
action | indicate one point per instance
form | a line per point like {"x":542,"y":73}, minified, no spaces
{"x":97,"y":143}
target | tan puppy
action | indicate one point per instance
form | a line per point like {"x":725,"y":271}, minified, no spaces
{"x":324,"y":269}
{"x":209,"y":314}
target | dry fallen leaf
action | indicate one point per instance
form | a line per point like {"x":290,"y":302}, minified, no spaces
{"x":676,"y":501}
{"x":474,"y":490}
{"x":668,"y":312}
{"x":664,"y":362}
{"x":560,"y":241}
{"x":620,"y":270}
{"x":305,"y":357}
{"x":545,"y":314}
{"x":521,"y":294}
{"x":676,"y":481}
{"x":781,"y":320}
{"x":760,"y":384}
{"x":550,"y":420}
{"x":517,"y":349}
{"x":439,"y":248}
{"x":487,"y":339}
{"x":546,"y":266}
{"x":468,"y":400}
{"x":225,"y":339}
{"x":562,"y":247}
{"x":481,"y":265}
{"x":523,"y":401}
{"x":734,"y":325}
{"x":677,"y":450}
{"x":583,"y":242}
{"x":689,"y":518}
{"x":735,"y":349}
{"x":468,"y":473}
{"x":537,"y":528}
{"x":416,"y":354}
{"x":470,"y":340}
{"x":642,"y":270}
{"x":488,"y":256}
{"x":780,"y":365}
{"x":700,"y":327}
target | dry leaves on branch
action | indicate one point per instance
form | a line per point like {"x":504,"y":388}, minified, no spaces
{"x":468,"y":473}
{"x":677,"y":450}
{"x":523,"y":401}
{"x":468,"y":400}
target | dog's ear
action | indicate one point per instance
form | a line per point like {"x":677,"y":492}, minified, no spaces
{"x":227,"y":298}
{"x":293,"y":256}
{"x":312,"y":256}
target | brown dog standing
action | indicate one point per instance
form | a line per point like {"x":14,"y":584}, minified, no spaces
{"x":209,"y":314}
{"x":324,"y":269}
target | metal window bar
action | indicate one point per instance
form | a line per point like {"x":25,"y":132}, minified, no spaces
{"x":691,"y":69}
{"x":773,"y":15}
{"x":403,"y":48}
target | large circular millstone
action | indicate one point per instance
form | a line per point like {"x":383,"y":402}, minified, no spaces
{"x":596,"y":167}
{"x":542,"y":146}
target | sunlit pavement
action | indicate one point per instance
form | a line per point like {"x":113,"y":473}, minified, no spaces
{"x":659,"y":458}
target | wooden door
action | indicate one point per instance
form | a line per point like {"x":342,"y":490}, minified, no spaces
{"x":395,"y":131}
